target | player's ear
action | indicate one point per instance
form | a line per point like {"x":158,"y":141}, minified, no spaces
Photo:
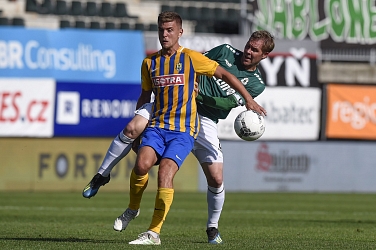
{"x":180,"y":32}
{"x":265,"y":55}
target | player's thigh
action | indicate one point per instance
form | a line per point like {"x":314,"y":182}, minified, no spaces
{"x":146,"y":158}
{"x":154,"y":138}
{"x":178,"y":146}
{"x":139,"y":122}
{"x":207,"y":147}
{"x":136,"y":126}
{"x":151,"y":147}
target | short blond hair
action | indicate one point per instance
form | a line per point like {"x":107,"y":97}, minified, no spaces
{"x":268,"y":39}
{"x":170,"y":16}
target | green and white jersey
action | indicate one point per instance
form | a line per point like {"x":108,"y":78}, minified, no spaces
{"x":230,"y":59}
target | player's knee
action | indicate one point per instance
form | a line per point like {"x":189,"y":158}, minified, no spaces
{"x":141,"y":169}
{"x":215,"y":181}
{"x":143,"y":165}
{"x":131,"y":130}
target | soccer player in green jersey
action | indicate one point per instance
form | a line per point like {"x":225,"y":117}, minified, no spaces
{"x":214,"y":101}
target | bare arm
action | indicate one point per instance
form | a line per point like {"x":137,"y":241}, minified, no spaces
{"x":238,"y":86}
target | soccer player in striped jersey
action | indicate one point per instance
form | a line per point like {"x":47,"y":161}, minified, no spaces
{"x":216,"y":99}
{"x":170,"y":74}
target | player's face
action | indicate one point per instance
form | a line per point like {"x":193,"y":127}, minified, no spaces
{"x":253,"y":54}
{"x":169,"y":34}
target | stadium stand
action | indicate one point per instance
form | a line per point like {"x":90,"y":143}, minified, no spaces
{"x":31,"y":6}
{"x":64,"y":24}
{"x":91,"y":9}
{"x":80,"y":24}
{"x":125,"y":26}
{"x":106,"y":10}
{"x":4,"y":21}
{"x":95,"y":25}
{"x":45,"y":8}
{"x":18,"y":21}
{"x":76,"y":8}
{"x":209,"y":16}
{"x":194,"y":13}
{"x":139,"y":26}
{"x":121,"y":11}
{"x":61,"y":8}
{"x":153,"y":27}
{"x":110,"y":26}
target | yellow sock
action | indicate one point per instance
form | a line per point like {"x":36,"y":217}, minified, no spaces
{"x":163,"y":201}
{"x":137,"y":186}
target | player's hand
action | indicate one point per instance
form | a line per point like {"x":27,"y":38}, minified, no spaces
{"x":252,"y":104}
{"x":196,"y":88}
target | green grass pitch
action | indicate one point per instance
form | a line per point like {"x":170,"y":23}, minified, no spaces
{"x":249,"y":221}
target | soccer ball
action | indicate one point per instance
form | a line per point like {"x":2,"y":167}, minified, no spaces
{"x":249,"y":125}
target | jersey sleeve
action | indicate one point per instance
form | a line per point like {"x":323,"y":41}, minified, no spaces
{"x":225,"y":103}
{"x":202,"y":64}
{"x":215,"y":53}
{"x":146,"y":83}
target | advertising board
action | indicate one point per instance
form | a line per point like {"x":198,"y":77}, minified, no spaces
{"x":351,"y":111}
{"x":94,"y":110}
{"x":27,"y":107}
{"x":298,"y":166}
{"x":292,"y":114}
{"x":72,"y":55}
{"x":68,"y":164}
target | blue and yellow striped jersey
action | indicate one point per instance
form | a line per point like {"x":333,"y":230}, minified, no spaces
{"x":171,"y":78}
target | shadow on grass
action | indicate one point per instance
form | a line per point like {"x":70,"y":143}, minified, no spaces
{"x":62,"y":240}
{"x":336,"y":221}
{"x":345,"y":221}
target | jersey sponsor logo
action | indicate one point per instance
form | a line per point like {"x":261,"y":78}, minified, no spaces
{"x":224,"y":86}
{"x":168,"y":80}
{"x":228,"y":63}
{"x":179,"y":67}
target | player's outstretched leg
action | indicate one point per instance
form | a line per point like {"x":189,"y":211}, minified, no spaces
{"x":92,"y":188}
{"x":146,"y":238}
{"x":123,"y":220}
{"x":118,"y":149}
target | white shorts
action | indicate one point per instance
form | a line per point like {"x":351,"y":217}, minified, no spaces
{"x":145,"y":110}
{"x":207,"y":147}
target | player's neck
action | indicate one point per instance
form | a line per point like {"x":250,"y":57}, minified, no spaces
{"x":170,"y":51}
{"x":251,"y":68}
